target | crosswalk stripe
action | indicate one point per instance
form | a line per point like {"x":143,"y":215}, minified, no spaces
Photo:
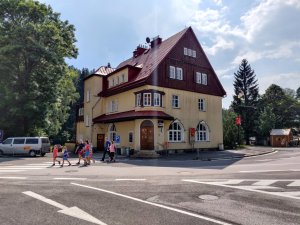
{"x":264,"y":182}
{"x":227,"y":182}
{"x":12,"y":178}
{"x":7,"y":171}
{"x":296,"y":183}
{"x":22,"y":167}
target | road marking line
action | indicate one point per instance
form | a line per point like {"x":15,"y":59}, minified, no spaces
{"x":296,"y":183}
{"x":7,"y":171}
{"x":44,"y":199}
{"x":155,"y":204}
{"x":17,"y":178}
{"x":234,"y":181}
{"x":22,"y":167}
{"x":68,"y":178}
{"x":281,"y":194}
{"x":259,"y":171}
{"x":265,"y":182}
{"x":124,"y":179}
{"x":72,"y":211}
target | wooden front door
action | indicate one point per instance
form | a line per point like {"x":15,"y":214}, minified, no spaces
{"x":147,"y":135}
{"x":100,"y":142}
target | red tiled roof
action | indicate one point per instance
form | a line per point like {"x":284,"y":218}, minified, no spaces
{"x":151,"y":58}
{"x":131,"y":115}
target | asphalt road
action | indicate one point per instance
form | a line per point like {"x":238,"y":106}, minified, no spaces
{"x":257,"y":190}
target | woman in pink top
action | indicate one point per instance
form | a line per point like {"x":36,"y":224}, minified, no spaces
{"x":112,"y":150}
{"x":55,"y":153}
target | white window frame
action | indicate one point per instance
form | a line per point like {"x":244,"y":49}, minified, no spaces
{"x":138,"y":99}
{"x":179,"y":73}
{"x":194,"y":53}
{"x":175,"y":101}
{"x":198,"y":77}
{"x":176,"y":132}
{"x":80,"y":112}
{"x":172,"y":72}
{"x":202,"y":104}
{"x":185,"y":51}
{"x":156,"y":99}
{"x":112,"y":132}
{"x":122,"y":78}
{"x":202,"y":135}
{"x":147,"y":99}
{"x":190,"y":52}
{"x":204,"y":78}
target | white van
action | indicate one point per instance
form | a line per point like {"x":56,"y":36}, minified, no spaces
{"x":25,"y":145}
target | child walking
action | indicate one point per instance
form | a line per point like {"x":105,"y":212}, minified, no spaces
{"x":65,"y":156}
{"x":55,"y":154}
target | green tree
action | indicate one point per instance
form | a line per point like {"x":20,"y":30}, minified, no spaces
{"x":267,"y":121}
{"x":232,"y":134}
{"x":283,"y":106}
{"x":34,"y":77}
{"x":298,"y":93}
{"x":246,"y":97}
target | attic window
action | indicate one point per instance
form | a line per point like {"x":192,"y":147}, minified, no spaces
{"x":189,"y":52}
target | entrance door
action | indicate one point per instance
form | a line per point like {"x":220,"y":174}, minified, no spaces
{"x":100,"y":142}
{"x":147,"y":135}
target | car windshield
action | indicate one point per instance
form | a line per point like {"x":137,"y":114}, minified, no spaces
{"x":7,"y":141}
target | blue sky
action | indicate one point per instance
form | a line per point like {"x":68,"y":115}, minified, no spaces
{"x":265,"y":32}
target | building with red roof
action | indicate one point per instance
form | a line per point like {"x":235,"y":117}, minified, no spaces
{"x":167,"y":95}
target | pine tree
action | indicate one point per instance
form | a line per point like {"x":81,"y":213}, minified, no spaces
{"x":246,"y":97}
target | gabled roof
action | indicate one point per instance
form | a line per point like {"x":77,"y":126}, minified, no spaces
{"x":280,"y":132}
{"x":101,"y":71}
{"x":150,"y":59}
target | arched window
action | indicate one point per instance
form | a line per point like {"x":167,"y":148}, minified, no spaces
{"x":112,"y":132}
{"x":202,"y":132}
{"x":176,"y":132}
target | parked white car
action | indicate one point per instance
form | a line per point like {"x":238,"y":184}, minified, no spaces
{"x":25,"y":145}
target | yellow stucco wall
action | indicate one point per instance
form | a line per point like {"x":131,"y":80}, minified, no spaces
{"x":188,"y":114}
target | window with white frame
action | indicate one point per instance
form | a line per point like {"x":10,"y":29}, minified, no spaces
{"x":112,"y":132}
{"x":156,"y":99}
{"x":123,"y":78}
{"x":87,"y":121}
{"x":185,"y":51}
{"x":198,"y":77}
{"x":80,"y":112}
{"x":204,"y":78}
{"x":172,"y":72}
{"x":201,"y":104}
{"x":118,"y":80}
{"x":175,"y":101}
{"x":202,"y":132}
{"x":179,"y":73}
{"x":138,"y":99}
{"x":194,"y":53}
{"x":201,"y":78}
{"x":87,"y":96}
{"x":147,"y":99}
{"x":175,"y":132}
{"x":176,"y":73}
{"x":189,"y":52}
{"x":113,"y":106}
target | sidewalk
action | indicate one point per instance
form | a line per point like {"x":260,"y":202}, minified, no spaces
{"x":204,"y":155}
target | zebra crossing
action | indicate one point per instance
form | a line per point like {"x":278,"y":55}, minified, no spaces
{"x":21,"y":168}
{"x":282,"y":188}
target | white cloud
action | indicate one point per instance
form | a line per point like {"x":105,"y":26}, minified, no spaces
{"x":220,"y":44}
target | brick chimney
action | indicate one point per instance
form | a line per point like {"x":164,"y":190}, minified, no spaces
{"x":156,"y":41}
{"x":139,"y":50}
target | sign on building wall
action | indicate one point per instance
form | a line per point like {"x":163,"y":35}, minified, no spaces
{"x":118,"y":140}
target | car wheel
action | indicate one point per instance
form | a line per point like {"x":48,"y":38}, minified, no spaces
{"x":32,"y":153}
{"x":1,"y":153}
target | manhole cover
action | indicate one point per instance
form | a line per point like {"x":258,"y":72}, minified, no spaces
{"x":208,"y":197}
